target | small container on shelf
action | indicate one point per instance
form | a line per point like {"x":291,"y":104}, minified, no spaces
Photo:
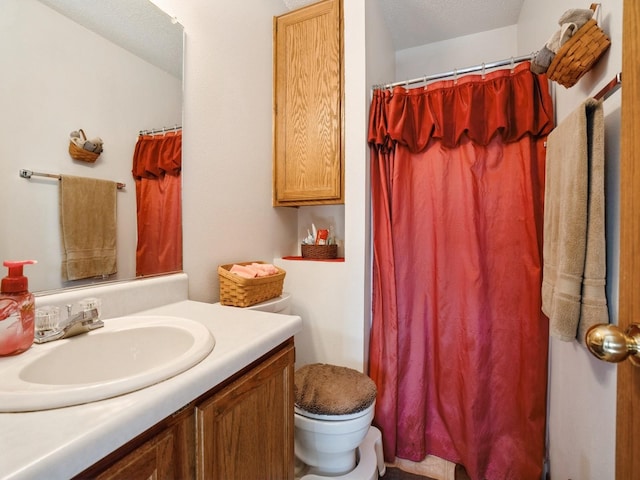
{"x":319,"y":251}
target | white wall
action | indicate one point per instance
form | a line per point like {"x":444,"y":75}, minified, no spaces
{"x":460,"y":52}
{"x":227,"y":173}
{"x":582,"y":396}
{"x":331,"y":297}
{"x":58,"y":77}
{"x":227,"y":212}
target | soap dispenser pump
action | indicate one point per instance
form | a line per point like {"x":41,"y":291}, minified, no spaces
{"x":17,"y":310}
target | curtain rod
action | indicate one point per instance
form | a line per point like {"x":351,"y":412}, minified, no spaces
{"x":153,"y":131}
{"x":459,"y":71}
{"x":29,"y":174}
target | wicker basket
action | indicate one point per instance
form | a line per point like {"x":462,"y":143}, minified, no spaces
{"x":319,"y":251}
{"x":238,"y":291}
{"x":78,"y":153}
{"x":579,"y":54}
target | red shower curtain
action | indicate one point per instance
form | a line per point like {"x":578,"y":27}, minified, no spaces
{"x":458,"y":343}
{"x":157,"y":162}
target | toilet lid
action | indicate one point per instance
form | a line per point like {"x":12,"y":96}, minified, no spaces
{"x":326,"y":389}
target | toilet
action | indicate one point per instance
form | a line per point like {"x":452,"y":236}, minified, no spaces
{"x":281,"y":304}
{"x":333,"y":436}
{"x":334,"y":407}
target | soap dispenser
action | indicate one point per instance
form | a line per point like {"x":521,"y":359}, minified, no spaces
{"x":17,"y":310}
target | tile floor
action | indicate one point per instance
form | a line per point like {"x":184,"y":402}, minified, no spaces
{"x":397,"y":474}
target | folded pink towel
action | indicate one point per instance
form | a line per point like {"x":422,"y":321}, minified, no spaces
{"x":254,"y":270}
{"x":243,"y":271}
{"x":265,"y":269}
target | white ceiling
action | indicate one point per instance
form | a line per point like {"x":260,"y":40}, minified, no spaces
{"x":411,"y":23}
{"x":419,"y":22}
{"x":135,"y":25}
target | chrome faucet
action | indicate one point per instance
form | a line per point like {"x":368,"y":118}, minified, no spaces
{"x":81,"y":322}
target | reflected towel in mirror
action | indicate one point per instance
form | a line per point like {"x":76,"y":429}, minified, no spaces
{"x":88,"y":227}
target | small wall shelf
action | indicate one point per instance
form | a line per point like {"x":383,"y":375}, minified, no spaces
{"x":314,"y":259}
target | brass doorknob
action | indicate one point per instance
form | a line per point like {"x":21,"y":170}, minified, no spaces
{"x":609,"y":343}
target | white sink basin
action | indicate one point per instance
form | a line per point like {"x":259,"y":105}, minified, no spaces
{"x":127,"y":354}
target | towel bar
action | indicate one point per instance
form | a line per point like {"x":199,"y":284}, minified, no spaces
{"x":28,"y":174}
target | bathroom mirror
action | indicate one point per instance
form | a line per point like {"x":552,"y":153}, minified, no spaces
{"x":111,"y":68}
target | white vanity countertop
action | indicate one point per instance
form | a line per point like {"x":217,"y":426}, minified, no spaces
{"x":60,"y":443}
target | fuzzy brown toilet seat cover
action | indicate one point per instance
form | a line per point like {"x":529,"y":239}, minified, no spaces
{"x":324,"y":389}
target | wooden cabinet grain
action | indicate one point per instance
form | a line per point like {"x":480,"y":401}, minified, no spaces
{"x":245,"y":431}
{"x":308,"y":151}
{"x":241,"y":429}
{"x":165,"y":451}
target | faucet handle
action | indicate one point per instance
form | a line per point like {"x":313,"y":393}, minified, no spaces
{"x":92,"y":303}
{"x":48,"y":318}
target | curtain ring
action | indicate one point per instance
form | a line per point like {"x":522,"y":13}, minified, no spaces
{"x":483,"y":71}
{"x":455,"y":76}
{"x":513,"y":64}
{"x":425,"y":82}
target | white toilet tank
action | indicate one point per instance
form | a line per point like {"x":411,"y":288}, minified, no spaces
{"x":281,"y":304}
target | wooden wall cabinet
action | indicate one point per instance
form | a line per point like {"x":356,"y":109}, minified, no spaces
{"x":308,"y":114}
{"x":241,"y":429}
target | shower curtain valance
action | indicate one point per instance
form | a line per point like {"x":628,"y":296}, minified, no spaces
{"x":155,"y":156}
{"x":476,"y":108}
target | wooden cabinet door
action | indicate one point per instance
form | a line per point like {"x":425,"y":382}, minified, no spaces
{"x":245,"y":431}
{"x":164,"y":452}
{"x":308,"y":167}
{"x":166,"y":456}
{"x":151,"y":461}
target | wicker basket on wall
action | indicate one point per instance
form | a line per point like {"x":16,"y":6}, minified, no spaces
{"x":238,"y":291}
{"x":78,"y":153}
{"x":579,"y":54}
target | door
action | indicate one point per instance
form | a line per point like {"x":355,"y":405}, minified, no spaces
{"x":628,"y":409}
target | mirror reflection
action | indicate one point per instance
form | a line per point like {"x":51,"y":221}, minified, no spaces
{"x":111,"y":69}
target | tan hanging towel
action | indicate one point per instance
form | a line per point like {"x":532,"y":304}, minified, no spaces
{"x":88,"y":227}
{"x":574,"y":247}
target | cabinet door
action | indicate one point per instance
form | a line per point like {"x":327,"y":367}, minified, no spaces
{"x":164,"y":455}
{"x":245,"y":431}
{"x":308,"y":92}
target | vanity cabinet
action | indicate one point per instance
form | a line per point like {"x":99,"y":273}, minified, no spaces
{"x":165,"y":451}
{"x":168,"y":454}
{"x":308,"y":150}
{"x":240,"y":429}
{"x":245,"y":431}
